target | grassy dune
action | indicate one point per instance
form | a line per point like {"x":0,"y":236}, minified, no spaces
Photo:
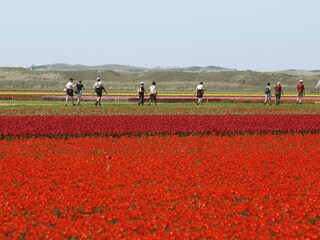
{"x":167,"y":81}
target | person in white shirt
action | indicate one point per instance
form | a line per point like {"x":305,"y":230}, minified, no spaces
{"x":153,"y":93}
{"x":199,"y":92}
{"x":69,"y":91}
{"x":98,"y":88}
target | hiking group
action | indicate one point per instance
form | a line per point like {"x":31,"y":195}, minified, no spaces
{"x":99,"y":88}
{"x":72,"y":89}
{"x":278,"y":92}
{"x":142,"y":91}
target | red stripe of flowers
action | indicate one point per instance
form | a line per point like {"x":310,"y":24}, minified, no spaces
{"x":170,"y":187}
{"x":151,"y":124}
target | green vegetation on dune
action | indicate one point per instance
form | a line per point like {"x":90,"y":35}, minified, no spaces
{"x":183,"y":81}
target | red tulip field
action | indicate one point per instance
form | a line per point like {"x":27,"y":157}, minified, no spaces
{"x":148,"y":176}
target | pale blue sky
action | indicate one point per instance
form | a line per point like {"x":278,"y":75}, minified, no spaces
{"x":261,"y":35}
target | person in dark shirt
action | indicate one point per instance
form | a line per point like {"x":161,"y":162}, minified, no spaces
{"x":141,"y":92}
{"x":300,"y":91}
{"x":79,"y":88}
{"x":267,"y":94}
{"x":278,"y":92}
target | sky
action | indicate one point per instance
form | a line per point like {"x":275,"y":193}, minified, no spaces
{"x":258,"y":35}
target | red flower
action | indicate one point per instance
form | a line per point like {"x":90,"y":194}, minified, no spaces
{"x":150,"y":125}
{"x":162,"y":187}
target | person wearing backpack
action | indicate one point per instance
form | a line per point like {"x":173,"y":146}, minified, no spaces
{"x":199,"y":92}
{"x":69,"y":91}
{"x":98,"y":88}
{"x":267,"y":93}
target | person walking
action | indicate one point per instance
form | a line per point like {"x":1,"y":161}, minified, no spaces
{"x":141,"y":92}
{"x":267,"y":93}
{"x":278,"y":92}
{"x":300,"y":91}
{"x":199,"y":92}
{"x":153,"y":93}
{"x":98,"y":88}
{"x":79,"y":88}
{"x":69,"y":91}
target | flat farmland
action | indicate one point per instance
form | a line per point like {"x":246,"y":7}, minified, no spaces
{"x":122,"y":107}
{"x":223,"y":170}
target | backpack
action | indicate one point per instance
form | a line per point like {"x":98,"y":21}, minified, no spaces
{"x":99,"y":87}
{"x":267,"y":90}
{"x":99,"y":90}
{"x":199,"y":92}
